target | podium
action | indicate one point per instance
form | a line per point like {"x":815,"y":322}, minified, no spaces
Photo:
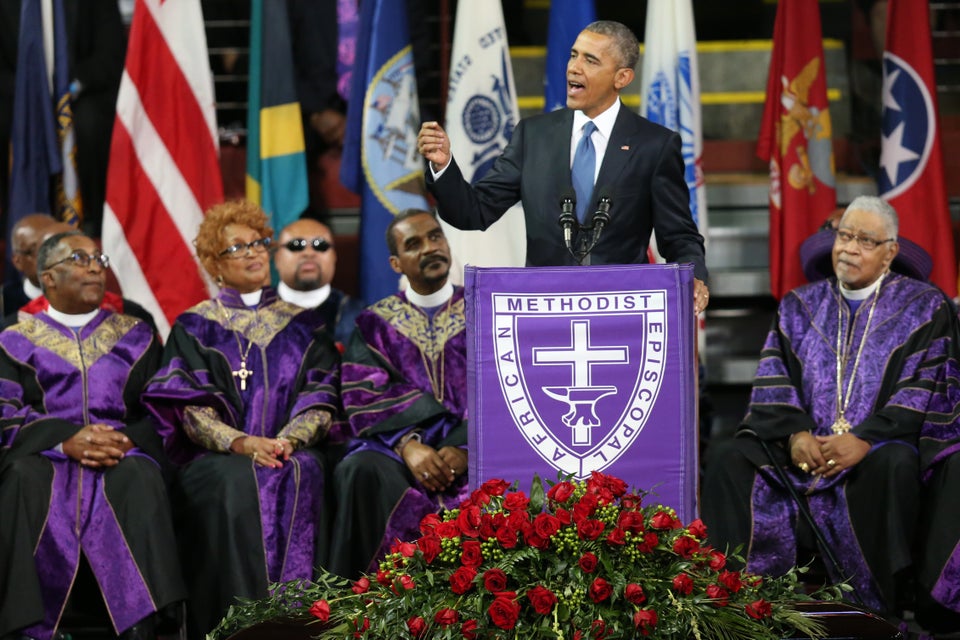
{"x":573,"y":370}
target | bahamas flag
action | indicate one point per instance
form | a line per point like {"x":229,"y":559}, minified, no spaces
{"x":567,"y":20}
{"x":276,"y":160}
{"x":380,"y":159}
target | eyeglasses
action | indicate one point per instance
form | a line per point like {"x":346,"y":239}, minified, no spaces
{"x":320,"y":245}
{"x":233,"y":251}
{"x":865,"y":243}
{"x":83,"y":259}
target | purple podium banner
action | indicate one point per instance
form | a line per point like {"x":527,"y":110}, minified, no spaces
{"x":579,"y":369}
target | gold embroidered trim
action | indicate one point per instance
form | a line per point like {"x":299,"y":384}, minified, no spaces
{"x":204,"y":427}
{"x":413,"y":324}
{"x":85,"y":353}
{"x":260,"y":330}
{"x":307,"y":429}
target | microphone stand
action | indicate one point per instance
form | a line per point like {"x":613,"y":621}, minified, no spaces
{"x":597,"y":223}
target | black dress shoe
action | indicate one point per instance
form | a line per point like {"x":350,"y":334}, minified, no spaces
{"x":146,"y":629}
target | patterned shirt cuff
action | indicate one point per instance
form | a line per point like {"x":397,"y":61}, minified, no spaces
{"x":203,"y":427}
{"x":307,"y":428}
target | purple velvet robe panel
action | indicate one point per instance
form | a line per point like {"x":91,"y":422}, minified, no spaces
{"x":54,"y":381}
{"x":902,"y":387}
{"x":296,"y":369}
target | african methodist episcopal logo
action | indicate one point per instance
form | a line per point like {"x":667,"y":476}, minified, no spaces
{"x":907,"y":139}
{"x":392,"y":167}
{"x":580,"y":372}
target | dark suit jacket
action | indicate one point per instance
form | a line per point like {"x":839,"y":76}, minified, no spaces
{"x":642,"y":170}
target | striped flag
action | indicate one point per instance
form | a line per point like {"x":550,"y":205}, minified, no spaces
{"x":42,"y":140}
{"x":380,"y":159}
{"x":567,"y":19}
{"x":276,"y":159}
{"x":163,"y":171}
{"x":911,"y":166}
{"x":481,"y":114}
{"x":796,"y":139}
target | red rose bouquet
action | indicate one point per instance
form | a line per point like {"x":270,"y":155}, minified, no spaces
{"x":584,"y":560}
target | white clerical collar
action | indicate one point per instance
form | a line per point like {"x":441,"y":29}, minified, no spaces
{"x":72,"y":320}
{"x":862,"y":293}
{"x":31,"y":290}
{"x":251,"y":299}
{"x":306,"y":299}
{"x":604,"y":121}
{"x":434,"y":299}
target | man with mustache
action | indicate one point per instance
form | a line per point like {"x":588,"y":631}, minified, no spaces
{"x":404,"y":391}
{"x":306,"y":260}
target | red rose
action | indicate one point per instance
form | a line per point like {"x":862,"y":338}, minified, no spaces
{"x":685,"y":546}
{"x":406,"y":549}
{"x":469,"y":629}
{"x":561,"y":491}
{"x":759,"y":609}
{"x":507,"y":537}
{"x":634,"y":593}
{"x":495,"y":487}
{"x":320,"y":609}
{"x":563,"y":516}
{"x":697,"y":529}
{"x":717,"y":560}
{"x":429,"y":522}
{"x":718,"y":593}
{"x":537,"y":541}
{"x":384,"y":578}
{"x":546,"y":525}
{"x":588,"y":562}
{"x":517,"y":519}
{"x":361,"y":586}
{"x":461,"y":580}
{"x":488,"y":528}
{"x":468,"y":520}
{"x":590,"y":529}
{"x":448,"y":530}
{"x":631,"y":521}
{"x":600,"y":590}
{"x":616,"y":536}
{"x":504,"y":612}
{"x":630,"y":501}
{"x":407,"y":582}
{"x":417,"y":626}
{"x":649,"y":542}
{"x":494,"y":580}
{"x":645,"y":620}
{"x":542,"y":599}
{"x":516,"y":501}
{"x":471,"y":556}
{"x":585,"y":507}
{"x":446,"y":617}
{"x":661,"y":520}
{"x":599,"y":628}
{"x":731,"y":580}
{"x":360,"y":627}
{"x":683,"y":584}
{"x":430,"y":547}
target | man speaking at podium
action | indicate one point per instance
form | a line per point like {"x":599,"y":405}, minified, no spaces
{"x":622,"y":174}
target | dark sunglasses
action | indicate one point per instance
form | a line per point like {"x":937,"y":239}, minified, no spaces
{"x":320,"y":245}
{"x":83,"y":259}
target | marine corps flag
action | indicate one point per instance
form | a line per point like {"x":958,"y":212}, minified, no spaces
{"x":911,"y":167}
{"x":795,"y":138}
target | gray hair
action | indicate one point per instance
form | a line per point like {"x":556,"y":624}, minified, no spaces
{"x":878,"y":206}
{"x":625,"y":43}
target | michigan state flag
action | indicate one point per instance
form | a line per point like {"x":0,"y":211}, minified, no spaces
{"x":276,"y":160}
{"x":380,"y":159}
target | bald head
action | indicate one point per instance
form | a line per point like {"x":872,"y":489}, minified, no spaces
{"x":305,"y":258}
{"x":25,"y":239}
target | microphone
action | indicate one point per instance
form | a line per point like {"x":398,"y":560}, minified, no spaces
{"x":568,"y":217}
{"x":602,"y":215}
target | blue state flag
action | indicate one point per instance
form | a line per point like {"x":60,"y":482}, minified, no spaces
{"x":276,"y":159}
{"x":380,"y":159}
{"x":567,"y":20}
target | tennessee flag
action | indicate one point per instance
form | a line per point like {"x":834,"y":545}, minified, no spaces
{"x":796,"y":139}
{"x":911,"y":167}
{"x":276,"y":159}
{"x":163,"y":171}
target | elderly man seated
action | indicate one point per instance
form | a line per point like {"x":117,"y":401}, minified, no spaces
{"x":854,"y":369}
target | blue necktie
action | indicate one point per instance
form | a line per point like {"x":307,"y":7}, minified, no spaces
{"x":584,"y":166}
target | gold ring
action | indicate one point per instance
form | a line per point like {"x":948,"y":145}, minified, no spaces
{"x":453,"y":471}
{"x":831,"y":463}
{"x":425,"y":475}
{"x":254,"y":456}
{"x":804,"y":467}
